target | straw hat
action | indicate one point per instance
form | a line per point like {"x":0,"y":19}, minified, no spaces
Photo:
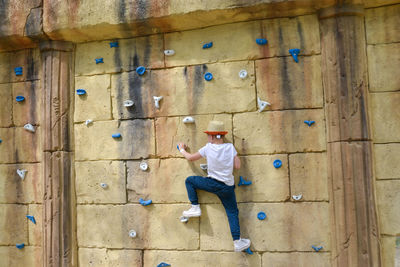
{"x":216,"y":127}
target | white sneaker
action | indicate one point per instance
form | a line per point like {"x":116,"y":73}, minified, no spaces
{"x":194,"y":211}
{"x":241,"y":244}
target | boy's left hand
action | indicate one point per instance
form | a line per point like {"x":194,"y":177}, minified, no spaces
{"x":182,"y":145}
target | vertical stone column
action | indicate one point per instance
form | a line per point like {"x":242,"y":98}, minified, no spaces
{"x":58,"y":215}
{"x":355,"y":237}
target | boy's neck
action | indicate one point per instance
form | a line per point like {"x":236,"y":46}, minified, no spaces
{"x":217,"y":141}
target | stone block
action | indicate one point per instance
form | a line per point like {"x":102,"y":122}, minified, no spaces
{"x":386,"y":157}
{"x":29,"y":110}
{"x":35,"y":230}
{"x":90,"y":174}
{"x":171,"y":130}
{"x":381,"y":24}
{"x":300,"y":259}
{"x":96,"y":103}
{"x":131,"y":53}
{"x":388,"y":250}
{"x":185,"y":91}
{"x":157,"y":227}
{"x":279,"y":232}
{"x":19,"y":145}
{"x":279,"y":131}
{"x":16,"y":190}
{"x":28,"y":59}
{"x":268,"y":183}
{"x":388,"y":199}
{"x":96,"y":257}
{"x":289,"y":85}
{"x":384,"y":67}
{"x":200,"y":258}
{"x":28,"y":256}
{"x":6,"y":98}
{"x":308,"y":176}
{"x":385,"y":117}
{"x":14,"y":224}
{"x":95,"y":142}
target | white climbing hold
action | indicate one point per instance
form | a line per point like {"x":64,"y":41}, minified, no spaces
{"x":104,"y":185}
{"x":203,"y":167}
{"x":188,"y":120}
{"x":29,"y":127}
{"x":157,"y":100}
{"x":132,"y":233}
{"x":22,"y":173}
{"x":243,"y":74}
{"x":262,"y":104}
{"x":128,"y":103}
{"x":184,"y":219}
{"x":297,"y":197}
{"x":169,"y":52}
{"x":87,"y":122}
{"x":143,"y":166}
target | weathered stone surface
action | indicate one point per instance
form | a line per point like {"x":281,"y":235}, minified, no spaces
{"x":381,"y":24}
{"x":30,"y":256}
{"x":296,"y":258}
{"x":6,"y":105}
{"x":279,"y":131}
{"x":308,"y":176}
{"x":15,"y":143}
{"x":185,"y":91}
{"x":130,"y":53}
{"x":90,"y":174}
{"x":157,"y":227}
{"x":14,"y":224}
{"x":287,"y":84}
{"x":388,"y":199}
{"x":385,"y":117}
{"x":95,"y":142}
{"x":279,"y":232}
{"x":200,"y":258}
{"x":96,"y":104}
{"x":29,"y":110}
{"x":109,"y":258}
{"x":388,"y":250}
{"x":384,"y":67}
{"x":35,"y":230}
{"x":15,"y":190}
{"x":387,"y":160}
{"x":171,"y":130}
{"x":28,"y":59}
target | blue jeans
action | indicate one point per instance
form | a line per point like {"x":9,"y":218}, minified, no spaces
{"x":225,"y":193}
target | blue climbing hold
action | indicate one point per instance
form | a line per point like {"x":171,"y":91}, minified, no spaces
{"x":317,"y":248}
{"x":261,"y":41}
{"x":145,"y":202}
{"x":309,"y":123}
{"x":1,"y":141}
{"x":248,"y":251}
{"x":31,"y":218}
{"x":261,"y":215}
{"x":243,"y":181}
{"x":140,"y":70}
{"x":20,"y":98}
{"x":295,"y":52}
{"x":20,"y":246}
{"x":99,"y":60}
{"x":163,"y":264}
{"x":207,"y":45}
{"x":277,"y":163}
{"x":208,"y":76}
{"x":116,"y":135}
{"x":81,"y":92}
{"x":114,"y":44}
{"x":18,"y":71}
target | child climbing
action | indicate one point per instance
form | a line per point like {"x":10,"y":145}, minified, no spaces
{"x":221,"y":159}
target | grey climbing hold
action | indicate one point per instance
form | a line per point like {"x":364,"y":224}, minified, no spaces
{"x":143,"y":166}
{"x":248,"y":251}
{"x":242,"y":181}
{"x":277,"y":163}
{"x":309,"y":123}
{"x":114,"y":44}
{"x":18,"y":71}
{"x":116,"y":135}
{"x":20,"y":245}
{"x":203,"y":166}
{"x":132,"y":233}
{"x":21,"y":173}
{"x":140,"y":70}
{"x":261,"y":215}
{"x":20,"y":98}
{"x":157,"y":100}
{"x":208,"y":76}
{"x":188,"y":120}
{"x":295,"y":52}
{"x":163,"y":264}
{"x":81,"y":92}
{"x":207,"y":45}
{"x":104,"y":185}
{"x":262,"y":104}
{"x":128,"y":103}
{"x":184,"y":219}
{"x":243,"y":74}
{"x":169,"y":52}
{"x":316,"y":248}
{"x":145,"y":202}
{"x":261,"y":41}
{"x":297,"y":197}
{"x":99,"y":60}
{"x":31,"y":218}
{"x":88,"y":121}
{"x":29,"y":127}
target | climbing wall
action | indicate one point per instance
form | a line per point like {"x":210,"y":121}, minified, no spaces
{"x":383,"y":38}
{"x":225,"y":73}
{"x":21,"y":187}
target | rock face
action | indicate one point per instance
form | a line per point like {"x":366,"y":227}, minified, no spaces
{"x":85,"y":182}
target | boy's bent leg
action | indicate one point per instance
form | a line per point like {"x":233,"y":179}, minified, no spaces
{"x":198,"y":182}
{"x":228,"y":199}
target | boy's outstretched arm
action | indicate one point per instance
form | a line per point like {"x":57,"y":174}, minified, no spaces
{"x":236,"y":162}
{"x":188,"y":156}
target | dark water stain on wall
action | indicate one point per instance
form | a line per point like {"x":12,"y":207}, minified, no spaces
{"x":285,"y":89}
{"x":3,"y":15}
{"x":32,"y":103}
{"x":31,"y":68}
{"x":301,"y":35}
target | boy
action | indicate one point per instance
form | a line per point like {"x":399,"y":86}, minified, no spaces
{"x":221,"y":159}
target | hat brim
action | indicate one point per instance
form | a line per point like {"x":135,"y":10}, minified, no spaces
{"x":215,"y":133}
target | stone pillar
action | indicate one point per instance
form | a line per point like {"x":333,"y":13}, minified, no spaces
{"x":59,"y":210}
{"x":355,"y":236}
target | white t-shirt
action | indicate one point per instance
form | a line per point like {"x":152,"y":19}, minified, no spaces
{"x":220,"y":161}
